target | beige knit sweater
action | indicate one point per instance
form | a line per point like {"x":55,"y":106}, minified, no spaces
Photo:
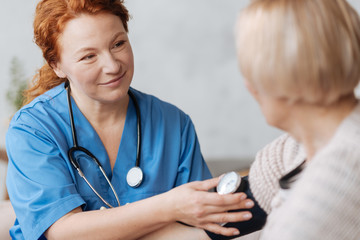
{"x":324,"y":203}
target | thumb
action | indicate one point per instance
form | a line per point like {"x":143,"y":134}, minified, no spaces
{"x":207,"y":184}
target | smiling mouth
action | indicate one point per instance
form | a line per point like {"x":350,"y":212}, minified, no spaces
{"x":113,"y":80}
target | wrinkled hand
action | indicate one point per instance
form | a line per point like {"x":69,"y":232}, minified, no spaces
{"x":194,"y":205}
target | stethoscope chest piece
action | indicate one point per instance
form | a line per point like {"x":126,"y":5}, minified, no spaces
{"x":134,"y":177}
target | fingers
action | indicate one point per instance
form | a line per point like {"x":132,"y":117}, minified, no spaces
{"x":224,"y":218}
{"x":220,"y":213}
{"x":229,"y":217}
{"x":216,"y":228}
{"x":205,"y":185}
{"x":210,"y":203}
{"x":216,"y":199}
{"x":246,"y":204}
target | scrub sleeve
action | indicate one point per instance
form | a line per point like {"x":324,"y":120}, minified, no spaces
{"x":40,"y":185}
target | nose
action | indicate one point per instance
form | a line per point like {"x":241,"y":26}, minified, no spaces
{"x":111,"y":65}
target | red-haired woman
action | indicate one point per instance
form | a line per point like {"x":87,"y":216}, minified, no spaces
{"x":86,"y":140}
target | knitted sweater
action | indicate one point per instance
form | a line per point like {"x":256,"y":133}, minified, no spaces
{"x":324,"y":202}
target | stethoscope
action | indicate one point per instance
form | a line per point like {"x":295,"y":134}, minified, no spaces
{"x":134,"y":176}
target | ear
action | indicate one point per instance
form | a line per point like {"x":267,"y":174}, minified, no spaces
{"x":57,"y":70}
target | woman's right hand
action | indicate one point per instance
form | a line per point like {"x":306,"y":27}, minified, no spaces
{"x":193,"y":204}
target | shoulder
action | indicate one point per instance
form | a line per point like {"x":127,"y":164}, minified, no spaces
{"x":347,"y":136}
{"x":342,"y":151}
{"x":45,"y":102}
{"x":340,"y":158}
{"x":44,"y":111}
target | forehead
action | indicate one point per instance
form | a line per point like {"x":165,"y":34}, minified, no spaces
{"x":88,"y":30}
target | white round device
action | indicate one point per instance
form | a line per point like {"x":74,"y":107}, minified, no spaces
{"x":229,"y":183}
{"x":134,"y":177}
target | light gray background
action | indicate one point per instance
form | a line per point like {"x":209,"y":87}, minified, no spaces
{"x":184,"y":54}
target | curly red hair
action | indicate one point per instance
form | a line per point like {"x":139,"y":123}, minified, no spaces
{"x":51,"y":17}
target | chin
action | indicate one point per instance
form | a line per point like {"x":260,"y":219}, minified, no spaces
{"x":273,"y":121}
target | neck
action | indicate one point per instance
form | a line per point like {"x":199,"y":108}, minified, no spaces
{"x":100,"y":114}
{"x":314,"y":125}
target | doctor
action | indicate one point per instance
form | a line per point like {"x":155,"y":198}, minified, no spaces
{"x":86,"y":140}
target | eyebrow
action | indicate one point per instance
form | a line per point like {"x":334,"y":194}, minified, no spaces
{"x":86,"y":49}
{"x":117,"y":35}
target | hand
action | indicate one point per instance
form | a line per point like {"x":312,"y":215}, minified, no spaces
{"x":192,"y":204}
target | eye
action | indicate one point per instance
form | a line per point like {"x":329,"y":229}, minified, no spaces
{"x":119,"y":43}
{"x":87,"y":57}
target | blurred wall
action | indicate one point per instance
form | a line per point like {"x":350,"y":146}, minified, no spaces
{"x":184,"y":53}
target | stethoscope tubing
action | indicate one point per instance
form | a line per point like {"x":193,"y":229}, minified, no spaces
{"x":139,"y":140}
{"x":75,"y":148}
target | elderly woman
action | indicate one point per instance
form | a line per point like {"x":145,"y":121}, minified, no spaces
{"x":301,"y":63}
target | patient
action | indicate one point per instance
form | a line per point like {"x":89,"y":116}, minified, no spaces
{"x":301,"y":63}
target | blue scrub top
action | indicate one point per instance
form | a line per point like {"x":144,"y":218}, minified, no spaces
{"x":42,"y":184}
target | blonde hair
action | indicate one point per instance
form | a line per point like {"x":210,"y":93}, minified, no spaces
{"x":300,"y":50}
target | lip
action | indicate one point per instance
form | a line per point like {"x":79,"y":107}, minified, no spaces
{"x":114,"y":80}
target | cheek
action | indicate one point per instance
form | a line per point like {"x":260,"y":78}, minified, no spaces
{"x":252,"y":90}
{"x":83,"y":74}
{"x":274,"y":113}
{"x":268,"y":113}
{"x":129,"y":58}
